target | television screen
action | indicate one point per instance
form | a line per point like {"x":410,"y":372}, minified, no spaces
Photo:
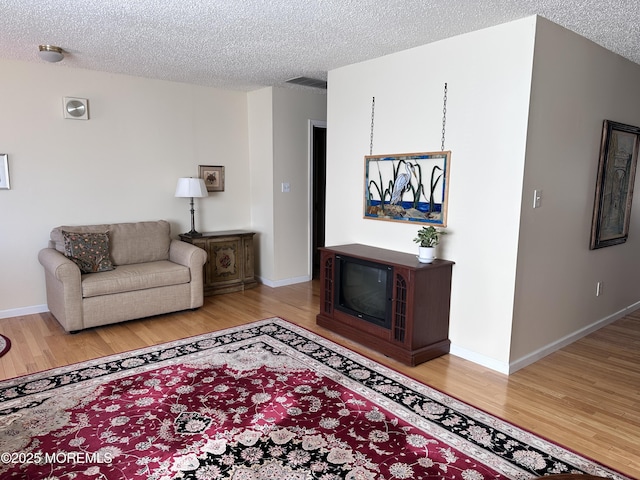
{"x":364,"y":290}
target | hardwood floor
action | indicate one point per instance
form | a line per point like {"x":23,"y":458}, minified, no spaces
{"x":585,"y":397}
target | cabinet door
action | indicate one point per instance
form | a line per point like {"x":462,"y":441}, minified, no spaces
{"x":401,"y":323}
{"x":327,"y":260}
{"x":225,"y":261}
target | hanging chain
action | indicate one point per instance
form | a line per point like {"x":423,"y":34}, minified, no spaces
{"x":444,"y":119}
{"x":373,"y":106}
{"x":444,"y":114}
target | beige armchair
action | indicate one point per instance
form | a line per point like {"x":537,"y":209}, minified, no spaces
{"x":145,"y":273}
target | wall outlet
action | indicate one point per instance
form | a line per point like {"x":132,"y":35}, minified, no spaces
{"x":598,"y":289}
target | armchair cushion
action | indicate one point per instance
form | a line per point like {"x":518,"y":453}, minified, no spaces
{"x":90,"y":251}
{"x":132,"y":277}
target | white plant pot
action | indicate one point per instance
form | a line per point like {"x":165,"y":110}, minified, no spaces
{"x":426,"y":254}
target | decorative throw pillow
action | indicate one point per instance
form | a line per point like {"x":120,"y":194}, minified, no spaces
{"x":90,"y":251}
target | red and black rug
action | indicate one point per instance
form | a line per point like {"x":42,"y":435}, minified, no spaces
{"x":5,"y":345}
{"x":268,"y":400}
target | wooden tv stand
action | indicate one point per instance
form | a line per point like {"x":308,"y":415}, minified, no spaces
{"x":420,"y":306}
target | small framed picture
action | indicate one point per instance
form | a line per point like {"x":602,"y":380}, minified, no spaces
{"x":4,"y":172}
{"x":213,"y":176}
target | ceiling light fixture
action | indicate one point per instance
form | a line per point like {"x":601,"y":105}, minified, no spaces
{"x":49,"y":53}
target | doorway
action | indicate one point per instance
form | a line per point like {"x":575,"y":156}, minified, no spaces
{"x":318,"y":192}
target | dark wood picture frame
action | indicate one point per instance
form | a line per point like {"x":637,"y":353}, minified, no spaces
{"x":614,"y":185}
{"x":213,"y":176}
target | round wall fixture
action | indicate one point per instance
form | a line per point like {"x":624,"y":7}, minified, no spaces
{"x":75,"y":108}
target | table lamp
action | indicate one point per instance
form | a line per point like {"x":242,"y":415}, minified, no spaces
{"x":191,"y":188}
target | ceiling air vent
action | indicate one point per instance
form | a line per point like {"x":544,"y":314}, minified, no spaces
{"x":309,"y":82}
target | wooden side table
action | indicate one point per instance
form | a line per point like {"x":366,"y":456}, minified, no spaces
{"x":230,"y":262}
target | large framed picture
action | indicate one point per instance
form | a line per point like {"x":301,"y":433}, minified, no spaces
{"x":412,"y":187}
{"x":614,"y":185}
{"x":213,"y":177}
{"x":4,"y":172}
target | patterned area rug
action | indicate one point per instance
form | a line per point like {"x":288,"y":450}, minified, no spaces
{"x":267,"y":400}
{"x":5,"y":345}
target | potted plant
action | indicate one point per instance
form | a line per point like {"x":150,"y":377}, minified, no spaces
{"x":427,"y":239}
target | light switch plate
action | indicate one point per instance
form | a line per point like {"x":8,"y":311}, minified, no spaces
{"x":537,"y":198}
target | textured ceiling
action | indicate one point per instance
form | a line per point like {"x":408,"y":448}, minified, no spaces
{"x":248,"y":44}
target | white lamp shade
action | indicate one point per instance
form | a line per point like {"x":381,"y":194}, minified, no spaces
{"x":191,"y":187}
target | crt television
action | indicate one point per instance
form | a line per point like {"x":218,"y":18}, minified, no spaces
{"x":363,"y":289}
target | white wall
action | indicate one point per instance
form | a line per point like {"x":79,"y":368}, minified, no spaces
{"x":576,"y":85}
{"x":261,"y":174}
{"x":488,"y":75}
{"x":279,"y":126}
{"x":292,"y":111}
{"x":121,"y":165}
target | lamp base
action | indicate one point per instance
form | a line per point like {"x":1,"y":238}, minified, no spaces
{"x":192,"y":234}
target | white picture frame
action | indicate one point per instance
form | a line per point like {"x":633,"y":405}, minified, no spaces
{"x":4,"y":172}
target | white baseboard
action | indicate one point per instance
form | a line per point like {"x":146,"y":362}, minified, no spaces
{"x":533,"y":357}
{"x":285,"y":282}
{"x":17,"y":312}
{"x":476,"y":358}
{"x":563,"y":342}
